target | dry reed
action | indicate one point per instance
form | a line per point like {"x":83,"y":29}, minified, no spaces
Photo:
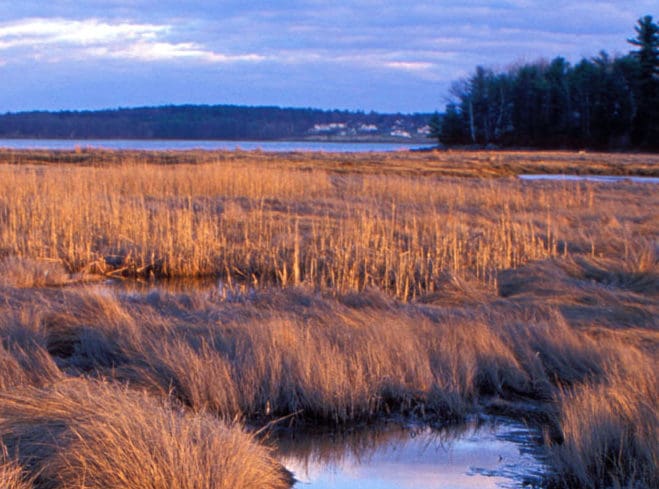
{"x":12,"y":475}
{"x":260,"y":222}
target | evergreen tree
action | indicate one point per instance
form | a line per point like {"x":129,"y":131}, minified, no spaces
{"x":452,"y":127}
{"x":559,"y":106}
{"x":646,"y":126}
{"x":435,"y":124}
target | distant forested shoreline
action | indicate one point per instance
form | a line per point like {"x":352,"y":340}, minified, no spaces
{"x":215,"y":122}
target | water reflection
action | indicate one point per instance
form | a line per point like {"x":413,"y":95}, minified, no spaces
{"x":212,"y":288}
{"x":172,"y":285}
{"x":484,"y":455}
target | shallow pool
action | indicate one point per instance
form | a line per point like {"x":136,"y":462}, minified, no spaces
{"x":479,"y":454}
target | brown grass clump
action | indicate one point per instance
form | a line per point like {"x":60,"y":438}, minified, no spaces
{"x":20,"y":366}
{"x":337,"y":360}
{"x":24,"y":359}
{"x":610,"y":430}
{"x":333,"y":361}
{"x":320,"y":359}
{"x":80,"y":434}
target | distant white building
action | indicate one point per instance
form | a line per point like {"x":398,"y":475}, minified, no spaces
{"x":331,"y":127}
{"x":399,"y":133}
{"x":367,"y":128}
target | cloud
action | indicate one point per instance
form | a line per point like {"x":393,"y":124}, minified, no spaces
{"x":413,"y":66}
{"x":163,"y":51}
{"x":62,"y":40}
{"x":349,"y":54}
{"x":58,"y":40}
{"x":45,"y":32}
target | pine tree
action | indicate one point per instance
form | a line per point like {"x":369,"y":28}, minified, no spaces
{"x":452,"y":128}
{"x":646,"y":124}
{"x":435,"y":124}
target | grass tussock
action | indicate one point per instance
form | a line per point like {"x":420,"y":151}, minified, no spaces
{"x":19,"y":367}
{"x":338,"y":360}
{"x":610,"y":430}
{"x":341,"y":360}
{"x":81,"y":434}
{"x":333,"y":361}
{"x":24,"y":358}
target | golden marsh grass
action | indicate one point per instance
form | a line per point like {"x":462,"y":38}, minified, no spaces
{"x":81,"y":434}
{"x":354,"y":287}
{"x":274,"y":220}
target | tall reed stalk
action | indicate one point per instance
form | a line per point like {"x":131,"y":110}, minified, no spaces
{"x":260,"y":224}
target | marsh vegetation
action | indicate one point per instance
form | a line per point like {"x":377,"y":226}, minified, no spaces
{"x":353,"y":288}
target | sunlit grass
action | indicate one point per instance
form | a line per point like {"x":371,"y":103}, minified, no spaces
{"x":82,"y":434}
{"x":260,"y":223}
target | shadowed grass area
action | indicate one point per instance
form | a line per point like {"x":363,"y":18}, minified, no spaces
{"x":610,"y":430}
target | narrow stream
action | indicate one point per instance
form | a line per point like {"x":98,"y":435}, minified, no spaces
{"x":491,"y":454}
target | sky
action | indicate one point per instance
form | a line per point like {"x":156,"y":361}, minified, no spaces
{"x":387,"y":56}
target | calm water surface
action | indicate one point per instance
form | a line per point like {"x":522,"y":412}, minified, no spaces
{"x":591,"y":178}
{"x":274,"y":146}
{"x":484,"y":456}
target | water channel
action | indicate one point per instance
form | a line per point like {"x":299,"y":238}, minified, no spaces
{"x":177,"y":145}
{"x":590,"y":178}
{"x":484,"y":454}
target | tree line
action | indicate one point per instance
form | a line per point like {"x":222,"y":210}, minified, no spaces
{"x":230,"y":122}
{"x":603,"y":102}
